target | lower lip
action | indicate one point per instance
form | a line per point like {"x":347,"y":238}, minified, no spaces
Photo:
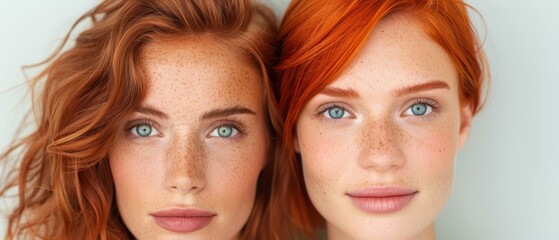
{"x":183,"y":224}
{"x":382,"y":204}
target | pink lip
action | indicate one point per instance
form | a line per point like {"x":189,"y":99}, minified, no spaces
{"x":182,"y":220}
{"x":382,"y":199}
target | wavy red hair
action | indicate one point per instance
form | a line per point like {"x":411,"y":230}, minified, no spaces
{"x":61,"y":175}
{"x":319,"y":38}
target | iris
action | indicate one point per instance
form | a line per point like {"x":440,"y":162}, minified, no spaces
{"x":225,"y":131}
{"x":336,"y":112}
{"x":419,"y":109}
{"x":143,"y":130}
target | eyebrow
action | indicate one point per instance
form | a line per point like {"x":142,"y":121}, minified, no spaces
{"x":151,"y":110}
{"x":224,"y":112}
{"x":340,"y":92}
{"x":422,"y":87}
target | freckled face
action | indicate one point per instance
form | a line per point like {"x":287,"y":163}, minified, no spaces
{"x":186,"y":163}
{"x":378,"y":144}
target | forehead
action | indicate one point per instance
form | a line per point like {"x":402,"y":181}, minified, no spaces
{"x":399,"y":53}
{"x":198,"y":73}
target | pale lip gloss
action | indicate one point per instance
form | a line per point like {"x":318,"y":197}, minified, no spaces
{"x":181,"y":220}
{"x":382,"y":199}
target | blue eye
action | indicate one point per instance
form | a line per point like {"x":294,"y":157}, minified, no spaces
{"x":419,"y":109}
{"x":224,"y":131}
{"x":333,"y":111}
{"x":144,"y":130}
{"x":336,"y":112}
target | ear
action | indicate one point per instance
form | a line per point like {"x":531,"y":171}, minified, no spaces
{"x":296,"y":143}
{"x":466,"y":114}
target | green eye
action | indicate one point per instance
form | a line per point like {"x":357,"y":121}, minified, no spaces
{"x":419,"y":109}
{"x":336,"y":112}
{"x":224,"y":131}
{"x":143,"y":130}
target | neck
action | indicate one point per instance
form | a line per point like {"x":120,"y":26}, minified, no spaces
{"x":427,"y":234}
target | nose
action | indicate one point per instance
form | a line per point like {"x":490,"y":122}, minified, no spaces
{"x":185,"y":166}
{"x":380,"y":143}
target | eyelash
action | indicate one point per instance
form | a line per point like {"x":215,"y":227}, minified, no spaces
{"x":228,"y":123}
{"x":427,"y":101}
{"x":322,"y":109}
{"x":136,"y":123}
{"x":436,"y":107}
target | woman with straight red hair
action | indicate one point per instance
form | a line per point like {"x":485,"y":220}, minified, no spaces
{"x":160,"y":122}
{"x":377,"y":97}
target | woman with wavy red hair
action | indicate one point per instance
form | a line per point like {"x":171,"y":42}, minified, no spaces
{"x":160,"y":122}
{"x":377,"y":97}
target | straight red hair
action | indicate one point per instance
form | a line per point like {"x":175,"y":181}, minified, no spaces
{"x":319,"y":38}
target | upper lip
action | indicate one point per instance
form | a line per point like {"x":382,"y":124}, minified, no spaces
{"x":183,"y":212}
{"x":382,"y":191}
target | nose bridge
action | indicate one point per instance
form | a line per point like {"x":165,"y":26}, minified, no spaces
{"x":380,"y":141}
{"x":185,"y":164}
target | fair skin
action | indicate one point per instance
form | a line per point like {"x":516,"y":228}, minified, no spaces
{"x":186,"y":163}
{"x":378,"y":144}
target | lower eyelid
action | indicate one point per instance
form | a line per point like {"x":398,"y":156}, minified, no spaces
{"x":424,"y":118}
{"x":332,"y":120}
{"x":140,"y":138}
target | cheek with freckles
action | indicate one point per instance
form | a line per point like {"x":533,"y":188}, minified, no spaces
{"x":236,"y":171}
{"x":431,"y":155}
{"x":136,"y":172}
{"x":322,"y":159}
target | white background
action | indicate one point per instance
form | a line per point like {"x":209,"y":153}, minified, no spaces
{"x":507,"y":180}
